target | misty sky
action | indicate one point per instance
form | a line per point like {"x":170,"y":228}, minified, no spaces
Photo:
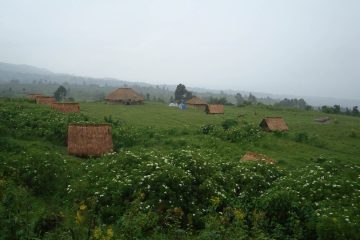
{"x":299,"y":47}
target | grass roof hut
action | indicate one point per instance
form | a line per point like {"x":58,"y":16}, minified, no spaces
{"x":322,"y":120}
{"x":66,"y":107}
{"x":253,"y":156}
{"x":197,"y":103}
{"x":45,"y":100}
{"x":125,"y":96}
{"x":273,"y":124}
{"x":32,"y":96}
{"x":214,"y":109}
{"x":89,"y":139}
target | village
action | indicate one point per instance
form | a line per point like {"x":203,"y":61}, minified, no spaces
{"x":87,"y":140}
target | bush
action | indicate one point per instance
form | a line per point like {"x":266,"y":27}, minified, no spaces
{"x":42,"y":173}
{"x":301,"y":137}
{"x":229,"y":123}
{"x":25,"y":120}
{"x":206,"y":129}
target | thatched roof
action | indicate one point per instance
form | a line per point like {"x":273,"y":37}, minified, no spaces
{"x":124,"y":94}
{"x":253,"y":156}
{"x":322,"y":120}
{"x":274,"y":124}
{"x":215,"y":109}
{"x":196,"y":101}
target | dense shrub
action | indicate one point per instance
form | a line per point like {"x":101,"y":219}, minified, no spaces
{"x":42,"y":173}
{"x":229,"y":123}
{"x":24,"y":120}
{"x":317,"y":201}
{"x":245,"y":133}
{"x":314,"y":140}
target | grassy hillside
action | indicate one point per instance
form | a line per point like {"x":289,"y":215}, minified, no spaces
{"x":176,"y":174}
{"x":305,"y":141}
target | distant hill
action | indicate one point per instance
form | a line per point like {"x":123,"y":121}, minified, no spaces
{"x":19,"y":73}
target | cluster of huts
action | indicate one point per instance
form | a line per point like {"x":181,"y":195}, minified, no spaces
{"x":51,"y":101}
{"x":83,"y":139}
{"x":96,"y":139}
{"x":201,"y":105}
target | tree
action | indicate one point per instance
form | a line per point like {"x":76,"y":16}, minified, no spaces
{"x":148,"y":96}
{"x":252,"y":98}
{"x":355,"y":111}
{"x":336,"y":109}
{"x":172,"y":99}
{"x":181,"y":93}
{"x":60,"y":93}
{"x":239,"y":99}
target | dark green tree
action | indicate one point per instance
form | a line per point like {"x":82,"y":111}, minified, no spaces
{"x":355,"y":111}
{"x":336,"y":109}
{"x":181,"y":94}
{"x":60,"y":93}
{"x":252,"y":98}
{"x":239,"y":99}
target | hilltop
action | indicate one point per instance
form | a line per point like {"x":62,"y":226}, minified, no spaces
{"x":26,"y":76}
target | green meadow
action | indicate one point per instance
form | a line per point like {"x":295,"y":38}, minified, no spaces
{"x":177,"y":174}
{"x":333,"y":140}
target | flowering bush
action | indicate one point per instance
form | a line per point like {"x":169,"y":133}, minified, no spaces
{"x":29,"y":120}
{"x":317,"y":200}
{"x":245,"y":133}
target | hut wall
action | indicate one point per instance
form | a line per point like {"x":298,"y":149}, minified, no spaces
{"x":45,"y":100}
{"x":33,"y":96}
{"x":89,"y":139}
{"x":214,"y":109}
{"x":66,"y":107}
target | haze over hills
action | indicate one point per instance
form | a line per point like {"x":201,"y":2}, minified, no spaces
{"x":30,"y":74}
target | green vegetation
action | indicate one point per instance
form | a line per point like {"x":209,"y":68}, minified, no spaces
{"x":176,"y":174}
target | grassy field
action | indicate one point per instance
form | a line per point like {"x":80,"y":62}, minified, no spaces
{"x":177,"y":174}
{"x":334,"y":140}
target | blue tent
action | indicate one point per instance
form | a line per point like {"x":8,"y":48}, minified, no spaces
{"x":182,"y":106}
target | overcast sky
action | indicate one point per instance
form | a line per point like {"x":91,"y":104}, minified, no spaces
{"x":300,"y":47}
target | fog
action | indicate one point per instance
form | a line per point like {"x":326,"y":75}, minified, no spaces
{"x":299,"y":47}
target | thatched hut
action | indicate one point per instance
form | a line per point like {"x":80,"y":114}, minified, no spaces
{"x":89,"y":139}
{"x":253,"y":156}
{"x":197,"y":103}
{"x":322,"y":120}
{"x":32,"y":96}
{"x":273,"y":124}
{"x":66,"y":107}
{"x":125,"y":96}
{"x":214,"y":109}
{"x":45,"y":100}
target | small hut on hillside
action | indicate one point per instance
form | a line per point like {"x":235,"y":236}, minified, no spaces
{"x":125,"y":96}
{"x":253,"y":156}
{"x":66,"y":107}
{"x":214,"y":109}
{"x":89,"y":139}
{"x":197,"y":103}
{"x":273,"y":124}
{"x":322,"y":120}
{"x":32,"y":96}
{"x":45,"y":100}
